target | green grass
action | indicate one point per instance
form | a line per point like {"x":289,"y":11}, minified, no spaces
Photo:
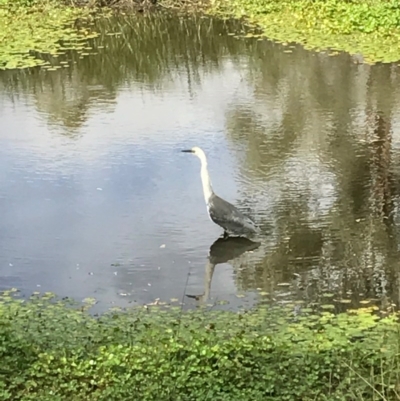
{"x":370,"y":28}
{"x":54,"y":350}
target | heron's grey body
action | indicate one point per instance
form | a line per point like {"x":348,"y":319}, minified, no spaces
{"x":221,"y":212}
{"x":229,"y":217}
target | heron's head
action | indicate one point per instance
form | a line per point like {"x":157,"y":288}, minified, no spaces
{"x":198,"y":152}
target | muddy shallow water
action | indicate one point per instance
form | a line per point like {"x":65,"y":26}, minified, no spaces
{"x":96,"y":199}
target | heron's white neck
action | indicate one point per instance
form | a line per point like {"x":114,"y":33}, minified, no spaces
{"x":205,"y":180}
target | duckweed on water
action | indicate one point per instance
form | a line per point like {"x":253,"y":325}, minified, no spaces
{"x":54,"y":350}
{"x":370,"y":28}
{"x":31,"y":27}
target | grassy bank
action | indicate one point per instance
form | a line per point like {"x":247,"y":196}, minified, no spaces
{"x":367,"y":27}
{"x":56,"y":351}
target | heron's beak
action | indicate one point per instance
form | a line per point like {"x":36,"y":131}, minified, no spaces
{"x":187,"y":151}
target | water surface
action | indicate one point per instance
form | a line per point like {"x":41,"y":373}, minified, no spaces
{"x":96,"y":199}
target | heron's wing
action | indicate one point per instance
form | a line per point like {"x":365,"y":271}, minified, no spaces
{"x":228,"y":216}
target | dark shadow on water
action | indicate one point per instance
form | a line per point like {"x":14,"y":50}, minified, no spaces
{"x":223,"y":251}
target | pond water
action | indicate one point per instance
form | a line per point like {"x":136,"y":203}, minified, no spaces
{"x":96,"y":199}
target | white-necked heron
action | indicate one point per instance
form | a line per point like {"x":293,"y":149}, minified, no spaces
{"x":221,"y":212}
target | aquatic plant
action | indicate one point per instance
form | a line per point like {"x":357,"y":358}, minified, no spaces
{"x":53,"y":349}
{"x":30,"y":27}
{"x":370,"y":28}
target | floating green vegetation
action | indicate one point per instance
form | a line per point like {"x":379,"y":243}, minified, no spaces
{"x":32,"y":27}
{"x":55,"y":350}
{"x":369,"y":28}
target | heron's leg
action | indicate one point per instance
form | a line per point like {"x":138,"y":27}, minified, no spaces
{"x":226,"y":235}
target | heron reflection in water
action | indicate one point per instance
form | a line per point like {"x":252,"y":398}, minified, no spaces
{"x":221,"y":212}
{"x":223,"y":251}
